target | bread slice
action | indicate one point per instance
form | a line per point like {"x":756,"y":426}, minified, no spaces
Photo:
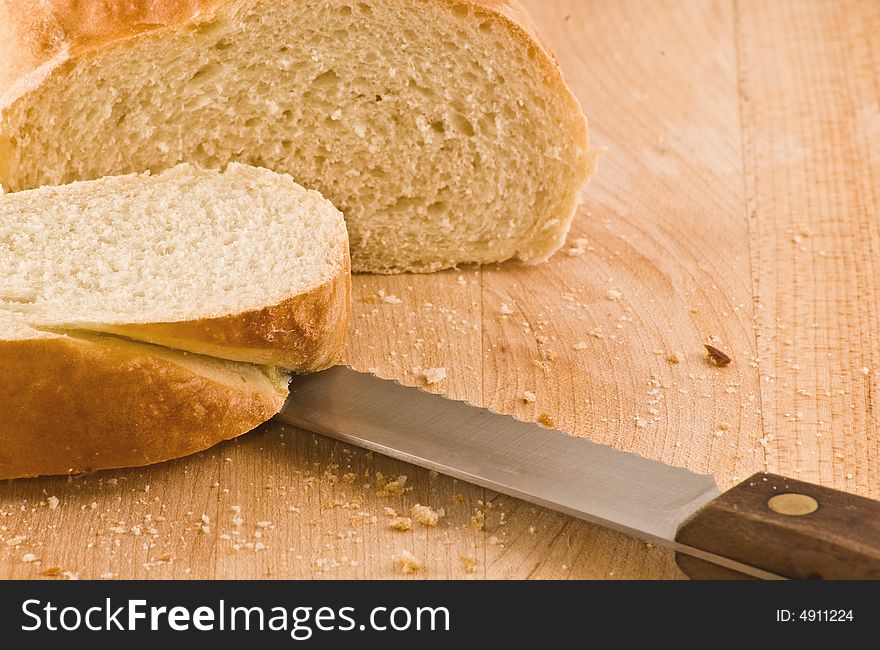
{"x":243,"y":265}
{"x":443,"y":129}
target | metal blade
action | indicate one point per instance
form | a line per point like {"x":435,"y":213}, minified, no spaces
{"x":615,"y":489}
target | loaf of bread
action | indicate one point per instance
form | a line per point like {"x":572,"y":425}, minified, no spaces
{"x":145,"y":317}
{"x":443,"y":129}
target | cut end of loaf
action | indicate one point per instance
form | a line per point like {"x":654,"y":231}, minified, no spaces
{"x":441,"y":129}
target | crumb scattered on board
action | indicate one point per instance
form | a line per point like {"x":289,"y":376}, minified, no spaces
{"x":578,"y":247}
{"x":426,"y":515}
{"x":406,"y":563}
{"x":716,"y":356}
{"x":547,"y":421}
{"x":430,"y":376}
{"x":381,"y":296}
{"x":392,"y":486}
{"x":400,"y":523}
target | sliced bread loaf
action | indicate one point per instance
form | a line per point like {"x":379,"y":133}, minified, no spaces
{"x":243,"y":265}
{"x":443,"y":129}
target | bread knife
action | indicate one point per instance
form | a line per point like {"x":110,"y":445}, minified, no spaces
{"x":768,"y":526}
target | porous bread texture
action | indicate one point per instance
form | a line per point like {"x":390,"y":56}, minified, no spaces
{"x":243,"y":265}
{"x":441,"y":128}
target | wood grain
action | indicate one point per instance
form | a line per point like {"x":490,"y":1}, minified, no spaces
{"x":735,"y":204}
{"x":811,"y":137}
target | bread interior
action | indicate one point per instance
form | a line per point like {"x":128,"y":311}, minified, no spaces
{"x":440,"y":131}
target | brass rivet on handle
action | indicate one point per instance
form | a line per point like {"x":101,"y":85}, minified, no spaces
{"x":793,"y":505}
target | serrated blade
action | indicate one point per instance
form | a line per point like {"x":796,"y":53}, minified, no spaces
{"x":600,"y":484}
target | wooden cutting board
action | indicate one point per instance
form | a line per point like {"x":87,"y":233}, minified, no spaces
{"x":737,"y":201}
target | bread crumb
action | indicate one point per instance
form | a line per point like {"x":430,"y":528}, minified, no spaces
{"x":390,"y":512}
{"x":381,"y":296}
{"x":505,"y":309}
{"x":469,"y":562}
{"x":426,"y":515}
{"x":395,"y":486}
{"x":579,"y":247}
{"x":724,"y":426}
{"x":407,"y":563}
{"x":529,"y":397}
{"x":28,"y":558}
{"x":546,"y":420}
{"x":434,"y":375}
{"x":430,"y":376}
{"x":206,"y":519}
{"x":53,"y":502}
{"x":716,"y":356}
{"x":400,"y":523}
{"x":478,"y":519}
{"x":613,"y":294}
{"x":531,"y":530}
{"x":580,"y":345}
{"x":673,"y":359}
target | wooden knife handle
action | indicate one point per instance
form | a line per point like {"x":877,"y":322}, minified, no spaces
{"x":789,"y":528}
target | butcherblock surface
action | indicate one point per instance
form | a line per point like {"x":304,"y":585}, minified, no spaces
{"x":738,"y":200}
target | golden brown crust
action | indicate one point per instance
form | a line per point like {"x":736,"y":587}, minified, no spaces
{"x":518,"y":17}
{"x":80,"y":404}
{"x":34,"y":35}
{"x":304,"y":333}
